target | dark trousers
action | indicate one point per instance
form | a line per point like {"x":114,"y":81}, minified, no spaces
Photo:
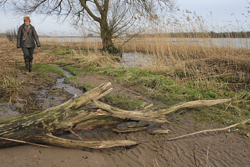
{"x":28,"y":54}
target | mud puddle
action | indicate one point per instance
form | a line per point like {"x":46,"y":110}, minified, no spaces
{"x":58,"y":93}
{"x":61,"y":85}
{"x":7,"y":110}
{"x":46,"y":98}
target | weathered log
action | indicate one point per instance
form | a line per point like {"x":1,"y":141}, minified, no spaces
{"x":35,"y":127}
{"x":78,"y":144}
{"x":157,"y":115}
{"x":44,"y":126}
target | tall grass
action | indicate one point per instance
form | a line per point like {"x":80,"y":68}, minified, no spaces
{"x":185,"y":46}
{"x":9,"y":85}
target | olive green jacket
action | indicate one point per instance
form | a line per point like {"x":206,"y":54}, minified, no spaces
{"x":32,"y":37}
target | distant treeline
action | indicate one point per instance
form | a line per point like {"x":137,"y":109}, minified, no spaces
{"x":199,"y":35}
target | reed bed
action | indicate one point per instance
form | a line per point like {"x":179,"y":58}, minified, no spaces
{"x":192,"y":59}
{"x":195,"y":59}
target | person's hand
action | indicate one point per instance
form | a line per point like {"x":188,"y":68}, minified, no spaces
{"x":39,"y":47}
{"x":19,"y":48}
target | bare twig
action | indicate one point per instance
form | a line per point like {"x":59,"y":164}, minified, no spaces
{"x":176,"y":115}
{"x":131,"y":91}
{"x":228,"y":106}
{"x":207,"y":156}
{"x":194,"y":157}
{"x":209,"y":130}
{"x":156,"y":162}
{"x":71,"y":131}
{"x":20,"y":141}
{"x":150,"y":105}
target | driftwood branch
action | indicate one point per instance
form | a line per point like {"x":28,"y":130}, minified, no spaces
{"x":24,"y":142}
{"x":209,"y":130}
{"x":157,"y":115}
{"x":45,"y":126}
{"x":76,"y":144}
{"x":193,"y":104}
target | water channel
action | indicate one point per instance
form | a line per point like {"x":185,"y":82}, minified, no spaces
{"x":47,"y":100}
{"x":44,"y":98}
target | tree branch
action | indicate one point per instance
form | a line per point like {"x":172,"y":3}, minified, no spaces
{"x":42,"y":126}
{"x":76,"y":144}
{"x":98,"y":6}
{"x":193,"y":104}
{"x":83,"y":3}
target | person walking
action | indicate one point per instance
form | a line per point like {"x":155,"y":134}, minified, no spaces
{"x":26,"y":38}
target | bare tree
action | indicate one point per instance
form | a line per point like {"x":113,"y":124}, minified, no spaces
{"x":113,"y":17}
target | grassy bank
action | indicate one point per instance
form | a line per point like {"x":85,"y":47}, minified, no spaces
{"x":195,"y":72}
{"x":179,"y":71}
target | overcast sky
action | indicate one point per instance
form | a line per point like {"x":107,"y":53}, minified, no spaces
{"x":224,"y":12}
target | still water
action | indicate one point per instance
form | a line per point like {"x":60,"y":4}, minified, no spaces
{"x":70,"y":39}
{"x":136,"y":59}
{"x":10,"y":109}
{"x":222,"y":42}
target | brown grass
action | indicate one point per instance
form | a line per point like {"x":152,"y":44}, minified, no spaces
{"x":202,"y":58}
{"x":184,"y":52}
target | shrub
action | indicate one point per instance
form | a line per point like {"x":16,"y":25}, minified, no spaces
{"x":11,"y":34}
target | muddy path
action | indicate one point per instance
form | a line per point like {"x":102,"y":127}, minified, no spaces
{"x":36,"y":93}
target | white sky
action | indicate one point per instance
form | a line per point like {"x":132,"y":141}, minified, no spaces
{"x":224,"y":12}
{"x":221,"y":16}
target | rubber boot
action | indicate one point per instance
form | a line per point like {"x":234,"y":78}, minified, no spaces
{"x":26,"y":66}
{"x":30,"y":66}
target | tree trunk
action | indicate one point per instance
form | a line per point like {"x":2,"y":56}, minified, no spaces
{"x":106,"y":35}
{"x":106,"y":30}
{"x":45,"y":126}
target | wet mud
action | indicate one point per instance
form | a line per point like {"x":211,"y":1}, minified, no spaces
{"x":214,"y":149}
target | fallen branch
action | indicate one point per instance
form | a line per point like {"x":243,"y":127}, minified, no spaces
{"x":129,"y":130}
{"x":207,"y":157}
{"x":209,"y":130}
{"x":76,"y":144}
{"x":25,"y":142}
{"x":46,"y":126}
{"x":160,"y":132}
{"x":157,"y":115}
{"x":193,"y":104}
{"x":195,"y":161}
